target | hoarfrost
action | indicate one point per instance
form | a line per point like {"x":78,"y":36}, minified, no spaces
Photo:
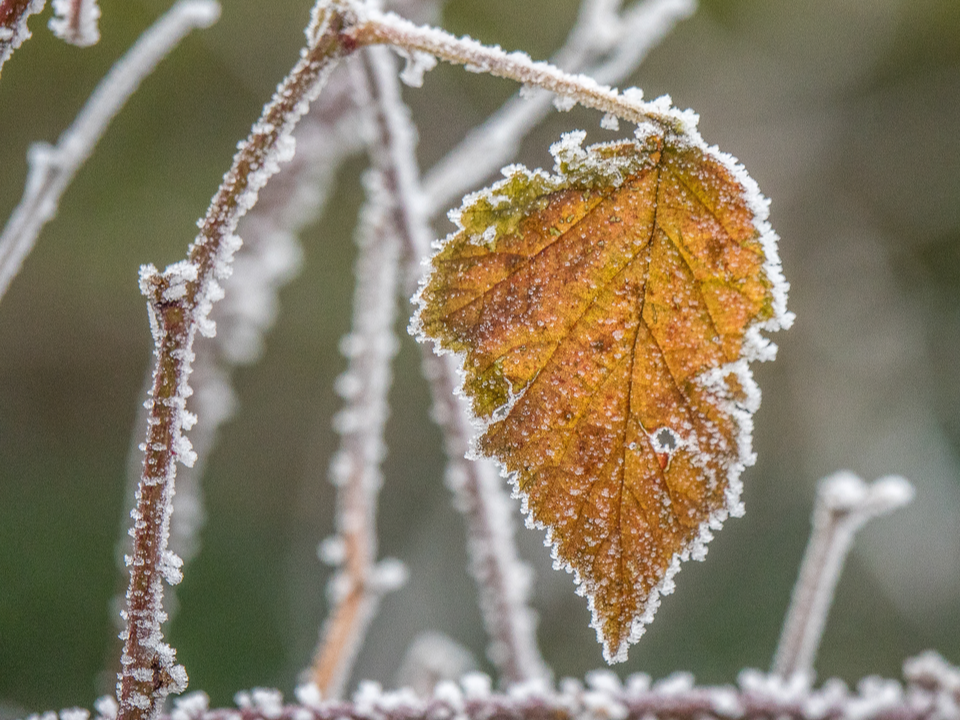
{"x":610,"y":122}
{"x":75,"y":21}
{"x":106,"y":707}
{"x":190,"y":707}
{"x":75,"y":713}
{"x":309,"y":695}
{"x":417,"y":63}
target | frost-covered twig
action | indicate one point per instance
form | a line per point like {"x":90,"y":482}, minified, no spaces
{"x":267,"y":261}
{"x":844,"y":504}
{"x":75,"y":21}
{"x":374,"y":27}
{"x":488,"y":147}
{"x":179,"y":302}
{"x":52,"y":168}
{"x":13,"y":24}
{"x":502,"y":579}
{"x":604,"y":697}
{"x":359,"y":584}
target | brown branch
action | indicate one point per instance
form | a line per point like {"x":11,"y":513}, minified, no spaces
{"x":179,"y":301}
{"x":923,"y":696}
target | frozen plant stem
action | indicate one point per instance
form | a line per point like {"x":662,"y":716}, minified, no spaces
{"x":502,"y":580}
{"x":844,"y":504}
{"x":356,"y":589}
{"x":52,"y":168}
{"x":179,"y":302}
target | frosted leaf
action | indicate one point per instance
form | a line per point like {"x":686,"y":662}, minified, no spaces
{"x":75,"y":21}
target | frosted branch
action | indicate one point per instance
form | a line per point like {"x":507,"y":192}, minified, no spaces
{"x":179,"y":303}
{"x":52,"y":168}
{"x":604,"y":697}
{"x":13,"y":24}
{"x":386,"y":28}
{"x":844,"y":504}
{"x":356,"y":589}
{"x":75,"y":21}
{"x":269,"y":258}
{"x":503,"y":581}
{"x":488,"y":147}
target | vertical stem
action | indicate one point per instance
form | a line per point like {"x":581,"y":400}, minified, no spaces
{"x":502,"y":580}
{"x":356,"y":471}
{"x":844,"y":504}
{"x":179,"y":301}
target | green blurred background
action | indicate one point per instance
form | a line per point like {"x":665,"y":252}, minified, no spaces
{"x":847,"y":113}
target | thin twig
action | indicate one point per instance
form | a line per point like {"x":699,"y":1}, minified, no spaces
{"x":371,"y":345}
{"x":502,"y":579}
{"x":52,"y":168}
{"x":844,"y":504}
{"x":488,"y":147}
{"x":13,"y":24}
{"x":179,"y":301}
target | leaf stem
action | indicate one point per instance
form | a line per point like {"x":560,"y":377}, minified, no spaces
{"x":375,"y":27}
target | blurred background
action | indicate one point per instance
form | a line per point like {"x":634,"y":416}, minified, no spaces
{"x":847,"y":113}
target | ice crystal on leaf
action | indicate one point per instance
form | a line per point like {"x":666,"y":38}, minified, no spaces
{"x":604,"y":316}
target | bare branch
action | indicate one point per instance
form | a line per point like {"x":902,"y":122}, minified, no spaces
{"x":370,"y":347}
{"x":179,"y":301}
{"x":52,"y":168}
{"x":844,"y":504}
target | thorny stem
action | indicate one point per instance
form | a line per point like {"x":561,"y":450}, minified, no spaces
{"x":501,"y":578}
{"x":844,"y":504}
{"x":179,"y":301}
{"x":370,"y":348}
{"x":389,"y":29}
{"x":53,"y":168}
